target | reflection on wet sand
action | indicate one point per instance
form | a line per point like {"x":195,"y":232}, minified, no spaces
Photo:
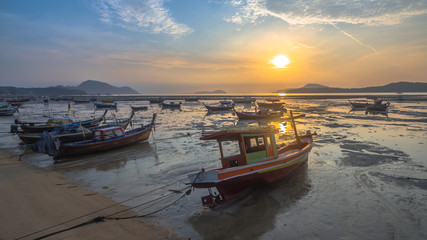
{"x":253,"y":214}
{"x":109,"y":160}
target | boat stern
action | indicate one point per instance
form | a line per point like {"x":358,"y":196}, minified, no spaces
{"x":203,"y":179}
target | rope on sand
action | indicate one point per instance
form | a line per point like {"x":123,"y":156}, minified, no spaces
{"x":102,"y":218}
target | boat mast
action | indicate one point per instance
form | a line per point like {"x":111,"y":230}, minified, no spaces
{"x":295,"y":128}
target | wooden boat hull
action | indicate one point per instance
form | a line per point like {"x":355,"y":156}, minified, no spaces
{"x":87,"y":147}
{"x":256,"y":116}
{"x":8,"y":112}
{"x":139,"y":108}
{"x":171,"y":106}
{"x":29,"y":138}
{"x":33,"y":128}
{"x":231,"y":182}
{"x":358,"y":104}
{"x":107,"y":106}
{"x":271,"y":105}
{"x":377,"y":107}
{"x":219,"y":108}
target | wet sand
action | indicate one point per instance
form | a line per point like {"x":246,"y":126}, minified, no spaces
{"x":33,"y":199}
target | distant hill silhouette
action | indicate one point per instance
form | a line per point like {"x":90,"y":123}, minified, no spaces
{"x":48,"y":91}
{"x":89,"y":87}
{"x":211,"y":92}
{"x":392,"y":87}
{"x":98,"y":87}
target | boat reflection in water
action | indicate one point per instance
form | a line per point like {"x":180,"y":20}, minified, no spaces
{"x":255,"y":213}
{"x":113,"y":159}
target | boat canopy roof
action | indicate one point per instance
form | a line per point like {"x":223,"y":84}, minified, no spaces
{"x":230,"y":132}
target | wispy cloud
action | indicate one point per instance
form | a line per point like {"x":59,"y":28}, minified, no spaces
{"x":145,"y":16}
{"x":331,"y":12}
{"x":370,"y":13}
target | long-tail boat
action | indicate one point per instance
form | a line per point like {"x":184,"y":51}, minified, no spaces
{"x":106,"y":105}
{"x":249,"y":158}
{"x":358,"y":104}
{"x":33,"y":127}
{"x":104,"y":139}
{"x":272,"y":106}
{"x":244,"y":100}
{"x":139,"y":108}
{"x":7,"y":110}
{"x":377,"y":106}
{"x":261,"y":114}
{"x":67,"y":133}
{"x":222,"y":106}
{"x":171,"y":105}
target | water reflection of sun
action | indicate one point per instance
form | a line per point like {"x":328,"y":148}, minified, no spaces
{"x":282,"y":127}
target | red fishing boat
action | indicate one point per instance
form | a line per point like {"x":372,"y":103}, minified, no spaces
{"x":249,"y":158}
{"x":104,"y":139}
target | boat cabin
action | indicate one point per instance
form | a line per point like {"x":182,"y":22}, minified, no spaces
{"x":243,"y":146}
{"x":108,"y":133}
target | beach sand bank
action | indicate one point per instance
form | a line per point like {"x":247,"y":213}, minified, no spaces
{"x":34,"y":199}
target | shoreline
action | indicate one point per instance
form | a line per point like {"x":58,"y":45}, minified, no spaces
{"x":34,"y":199}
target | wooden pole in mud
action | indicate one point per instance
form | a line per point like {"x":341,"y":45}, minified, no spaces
{"x":295,"y":128}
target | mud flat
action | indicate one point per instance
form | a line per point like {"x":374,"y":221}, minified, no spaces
{"x":33,"y":199}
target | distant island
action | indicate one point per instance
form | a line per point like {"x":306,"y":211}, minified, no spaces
{"x":98,"y":87}
{"x":211,"y":92}
{"x":89,"y":87}
{"x":392,"y":87}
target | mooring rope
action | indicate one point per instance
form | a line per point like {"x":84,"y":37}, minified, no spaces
{"x":97,"y":219}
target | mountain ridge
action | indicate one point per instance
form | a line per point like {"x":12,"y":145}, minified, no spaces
{"x":88,"y":87}
{"x":391,"y":87}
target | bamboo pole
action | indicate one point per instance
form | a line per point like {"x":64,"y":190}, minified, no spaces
{"x":295,"y":128}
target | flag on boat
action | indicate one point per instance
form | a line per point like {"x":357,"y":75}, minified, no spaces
{"x":69,"y":107}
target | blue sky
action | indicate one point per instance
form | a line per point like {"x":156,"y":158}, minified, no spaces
{"x":183,"y":46}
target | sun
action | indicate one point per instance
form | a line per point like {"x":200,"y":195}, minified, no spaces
{"x":280,"y":61}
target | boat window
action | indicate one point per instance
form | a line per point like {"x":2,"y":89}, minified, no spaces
{"x":98,"y":136}
{"x":254,"y":144}
{"x":230,"y":148}
{"x":118,"y":132}
{"x":109,"y":134}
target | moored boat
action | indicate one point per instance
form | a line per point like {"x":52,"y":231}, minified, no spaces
{"x":103,"y":139}
{"x":67,"y":133}
{"x":221,"y":106}
{"x":139,"y":108}
{"x":171,"y":105}
{"x":7,"y":110}
{"x":249,"y":158}
{"x":358,"y":103}
{"x":377,"y":107}
{"x":261,"y":114}
{"x":191,"y":99}
{"x":156,"y":100}
{"x":244,"y":100}
{"x":272,"y":106}
{"x":106,"y":105}
{"x":51,"y":123}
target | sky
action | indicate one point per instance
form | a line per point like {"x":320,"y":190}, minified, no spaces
{"x":184,"y":46}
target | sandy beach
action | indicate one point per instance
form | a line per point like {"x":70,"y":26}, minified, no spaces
{"x":34,"y":199}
